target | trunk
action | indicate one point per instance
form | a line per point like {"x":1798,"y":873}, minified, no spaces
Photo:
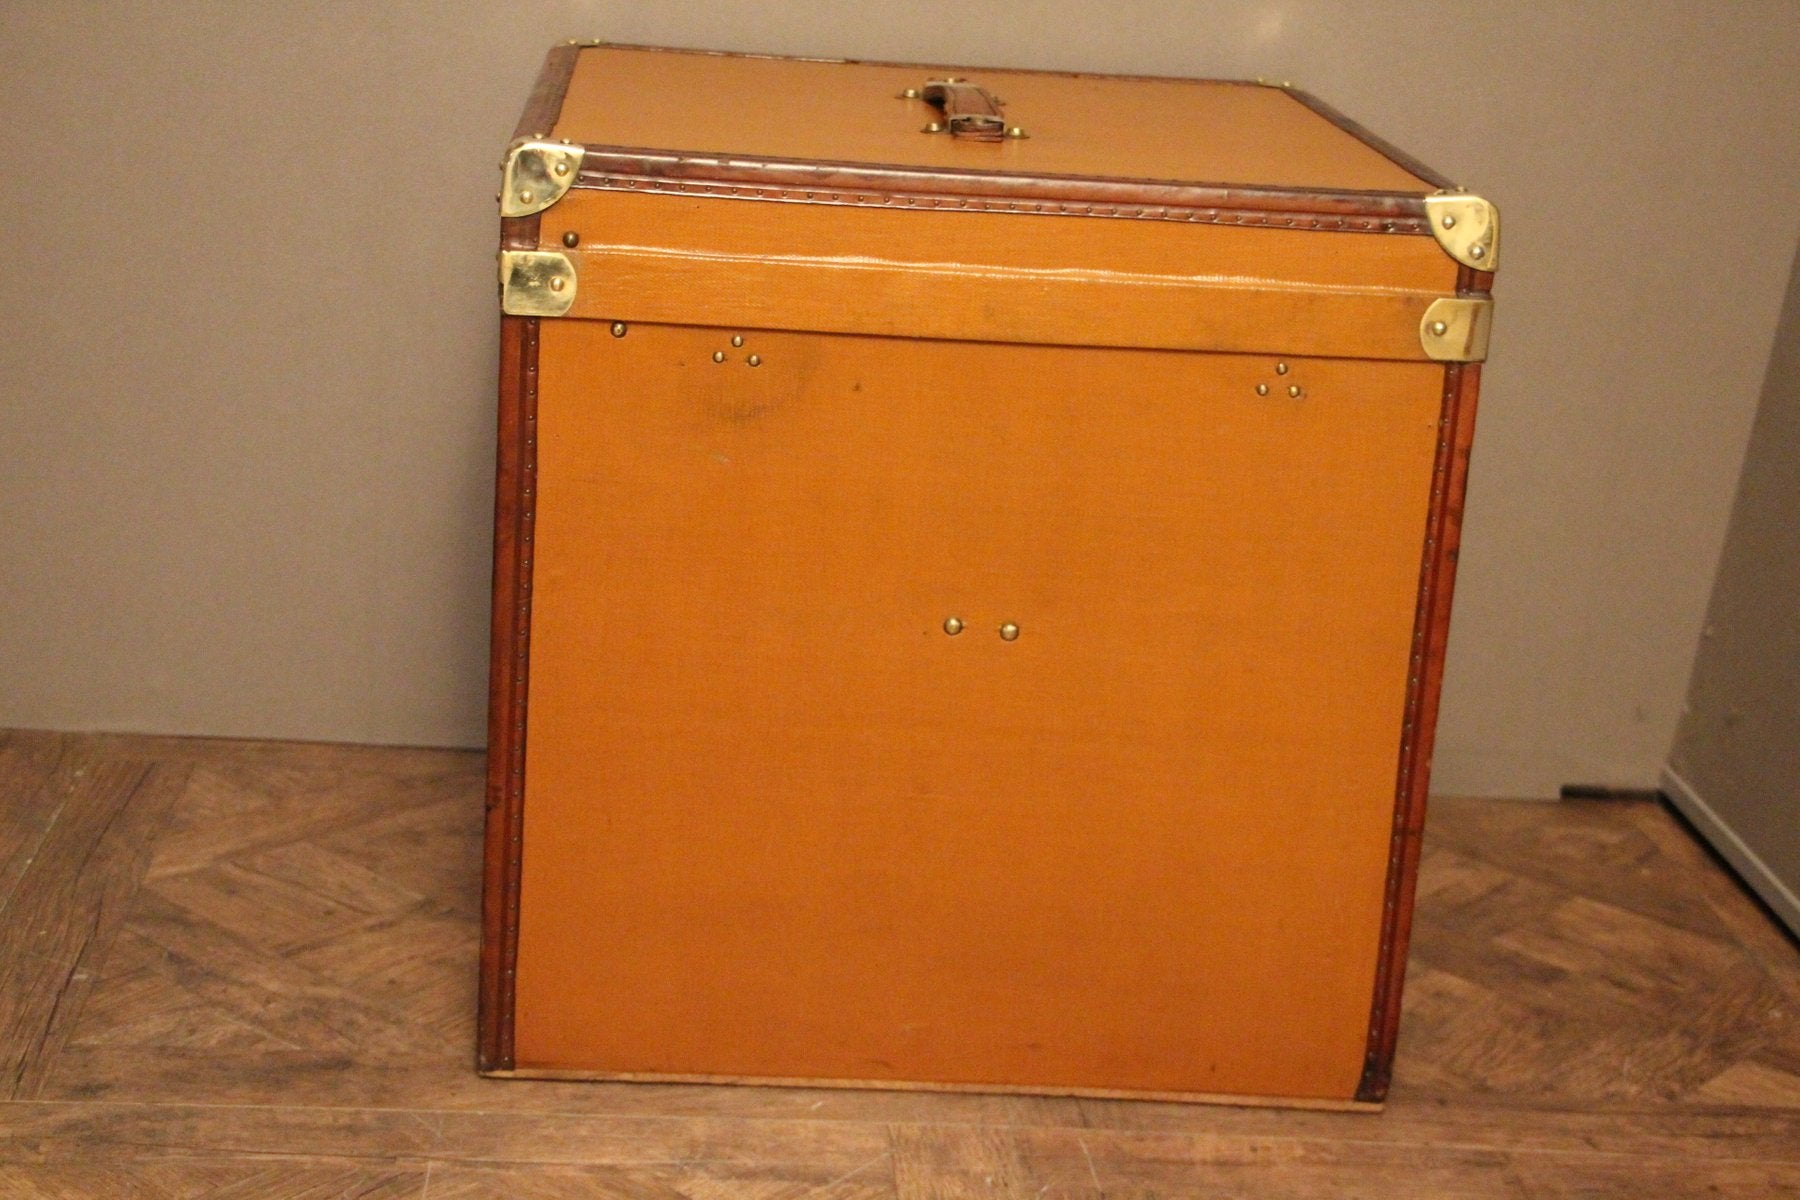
{"x":969,"y":597}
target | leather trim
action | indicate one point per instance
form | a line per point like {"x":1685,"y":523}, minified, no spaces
{"x":1431,"y":631}
{"x":510,"y":630}
{"x":618,"y":169}
{"x":1380,"y":145}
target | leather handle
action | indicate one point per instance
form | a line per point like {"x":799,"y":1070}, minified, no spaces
{"x":969,"y":111}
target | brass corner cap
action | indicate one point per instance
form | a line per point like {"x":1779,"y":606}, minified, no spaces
{"x":1455,"y":328}
{"x":535,"y":175}
{"x":536,"y":283}
{"x":1466,"y":226}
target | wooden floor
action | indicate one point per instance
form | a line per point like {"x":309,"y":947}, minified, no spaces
{"x":240,"y":969}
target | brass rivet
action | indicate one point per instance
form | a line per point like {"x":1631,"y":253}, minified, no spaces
{"x":525,"y":196}
{"x":1294,"y":391}
{"x":1439,"y":328}
{"x":754,"y":360}
{"x":1449,"y":221}
{"x":1009,"y":632}
{"x":934,"y":127}
{"x":1281,"y":368}
{"x":953,"y":626}
{"x":1477,"y":251}
{"x":1015,"y":132}
{"x":557,"y":284}
{"x":737,"y":339}
{"x":1262,"y":389}
{"x":618,"y":329}
{"x":718,"y":356}
{"x":571,"y":239}
{"x":910,"y":94}
{"x":561,"y":168}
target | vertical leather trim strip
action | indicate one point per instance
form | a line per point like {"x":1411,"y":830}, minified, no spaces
{"x":1431,"y":631}
{"x":509,"y":636}
{"x":514,"y":515}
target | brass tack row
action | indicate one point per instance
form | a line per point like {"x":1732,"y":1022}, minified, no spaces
{"x":1009,"y":632}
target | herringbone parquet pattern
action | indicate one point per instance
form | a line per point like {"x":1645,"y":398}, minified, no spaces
{"x":236,"y":969}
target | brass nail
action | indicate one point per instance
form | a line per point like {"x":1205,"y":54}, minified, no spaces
{"x":718,"y":356}
{"x":1009,"y":632}
{"x":571,"y":239}
{"x":934,"y":127}
{"x":953,"y":626}
{"x":525,"y":196}
{"x":1262,"y":389}
{"x":618,"y":329}
{"x":1281,"y":368}
{"x":754,"y":360}
{"x":737,"y":339}
{"x":557,"y":284}
{"x":1294,"y":391}
{"x":1477,"y":251}
{"x":1015,"y":132}
{"x":561,"y":168}
{"x":1439,"y":328}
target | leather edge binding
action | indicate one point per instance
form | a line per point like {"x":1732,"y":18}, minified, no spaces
{"x":510,"y":629}
{"x":1373,"y":141}
{"x":1437,"y":580}
{"x":615,"y":168}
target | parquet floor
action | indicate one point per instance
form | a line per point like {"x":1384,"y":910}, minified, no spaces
{"x":243,"y":970}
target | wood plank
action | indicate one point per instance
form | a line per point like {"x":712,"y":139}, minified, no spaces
{"x":70,"y":903}
{"x":45,"y":1132}
{"x":216,"y":1179}
{"x":29,"y":763}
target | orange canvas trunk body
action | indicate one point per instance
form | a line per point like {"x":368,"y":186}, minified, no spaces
{"x":973,"y":559}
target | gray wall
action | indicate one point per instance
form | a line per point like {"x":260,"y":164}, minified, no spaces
{"x":1736,"y":758}
{"x":249,"y":345}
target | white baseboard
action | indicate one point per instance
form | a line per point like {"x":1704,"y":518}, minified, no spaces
{"x":1776,"y":894}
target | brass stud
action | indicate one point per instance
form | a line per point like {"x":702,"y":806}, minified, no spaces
{"x":1477,"y":251}
{"x":1439,"y":329}
{"x":525,"y":197}
{"x":737,"y":339}
{"x":618,"y":329}
{"x":571,"y":239}
{"x":1009,"y":632}
{"x":1281,"y":368}
{"x":934,"y":127}
{"x":1449,"y":221}
{"x":953,"y":625}
{"x":1262,"y":389}
{"x":1015,"y":132}
{"x":718,"y":356}
{"x":561,"y":168}
{"x":1294,"y":391}
{"x":557,"y":284}
{"x":910,"y":94}
{"x":754,"y":360}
